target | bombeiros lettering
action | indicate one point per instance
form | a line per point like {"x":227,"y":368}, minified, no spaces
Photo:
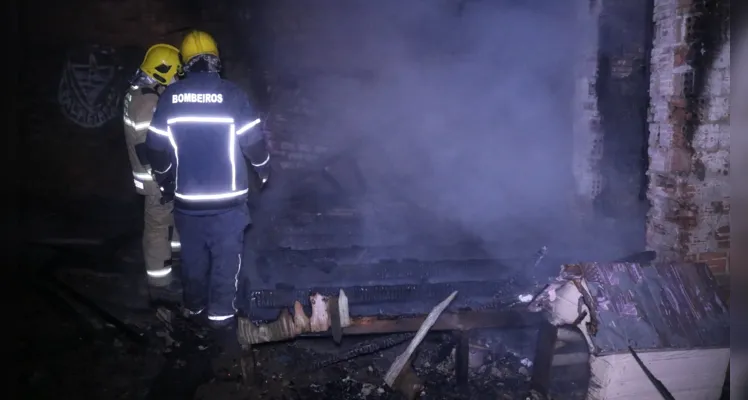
{"x":197,"y":98}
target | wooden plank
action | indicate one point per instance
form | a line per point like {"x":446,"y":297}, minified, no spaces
{"x":662,"y":306}
{"x":404,"y":359}
{"x":689,"y":374}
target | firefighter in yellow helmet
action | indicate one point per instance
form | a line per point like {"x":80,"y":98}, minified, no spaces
{"x":198,"y":43}
{"x":203,"y":128}
{"x":161,"y":66}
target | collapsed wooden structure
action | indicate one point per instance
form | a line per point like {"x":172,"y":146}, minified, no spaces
{"x":669,"y":316}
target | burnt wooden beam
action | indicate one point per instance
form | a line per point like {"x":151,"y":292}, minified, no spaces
{"x":463,"y":321}
{"x":462,"y":359}
{"x":543,"y":362}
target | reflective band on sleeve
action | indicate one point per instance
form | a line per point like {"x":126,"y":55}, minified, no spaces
{"x":176,"y":157}
{"x":158,"y":131}
{"x":138,"y":184}
{"x":262,"y":163}
{"x":248,"y":126}
{"x":138,"y":126}
{"x":164,"y":171}
{"x":220,"y":317}
{"x":142,"y":176}
{"x":159,"y":273}
{"x":175,"y":246}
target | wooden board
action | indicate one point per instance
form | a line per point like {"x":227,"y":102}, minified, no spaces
{"x":654,"y":307}
{"x":688,"y":374}
{"x":671,"y":314}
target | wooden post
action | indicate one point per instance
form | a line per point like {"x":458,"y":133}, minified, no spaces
{"x":462,"y":359}
{"x":541,"y":368}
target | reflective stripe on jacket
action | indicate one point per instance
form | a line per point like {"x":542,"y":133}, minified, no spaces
{"x":139,"y":105}
{"x":202,"y":128}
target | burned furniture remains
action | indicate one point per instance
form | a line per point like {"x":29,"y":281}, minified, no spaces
{"x":330,"y":316}
{"x":669,"y":316}
{"x":598,"y":317}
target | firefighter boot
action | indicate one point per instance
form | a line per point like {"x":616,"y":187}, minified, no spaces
{"x":169,"y":294}
{"x":223,"y":334}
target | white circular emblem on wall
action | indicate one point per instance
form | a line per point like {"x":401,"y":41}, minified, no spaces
{"x":89,"y":93}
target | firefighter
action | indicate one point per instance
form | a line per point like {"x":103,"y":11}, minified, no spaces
{"x":202,"y":126}
{"x":160,"y":68}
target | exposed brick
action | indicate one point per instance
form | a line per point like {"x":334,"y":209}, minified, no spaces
{"x":711,"y":256}
{"x":718,"y":267}
{"x":689,"y":175}
{"x":681,"y":56}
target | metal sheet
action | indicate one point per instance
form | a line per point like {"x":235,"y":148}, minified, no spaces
{"x":673,"y":305}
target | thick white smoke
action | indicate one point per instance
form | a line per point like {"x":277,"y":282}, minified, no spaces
{"x":464,"y":109}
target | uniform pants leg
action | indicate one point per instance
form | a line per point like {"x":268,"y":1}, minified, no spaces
{"x":176,"y":245}
{"x":195,"y":259}
{"x":156,"y":246}
{"x":226,"y":244}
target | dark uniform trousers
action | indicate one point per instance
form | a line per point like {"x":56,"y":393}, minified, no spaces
{"x":212,"y":248}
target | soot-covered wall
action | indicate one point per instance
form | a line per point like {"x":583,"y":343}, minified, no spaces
{"x":689,"y":142}
{"x":610,"y":130}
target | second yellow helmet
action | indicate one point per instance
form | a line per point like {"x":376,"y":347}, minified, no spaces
{"x":197,"y":43}
{"x":161,"y":62}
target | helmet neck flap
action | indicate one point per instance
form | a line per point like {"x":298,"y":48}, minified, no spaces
{"x":203,"y":63}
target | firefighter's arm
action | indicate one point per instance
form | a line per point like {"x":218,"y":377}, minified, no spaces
{"x":141,"y":118}
{"x":158,"y":146}
{"x":251,"y":139}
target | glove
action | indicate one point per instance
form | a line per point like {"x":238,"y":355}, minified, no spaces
{"x":264,"y":174}
{"x":167,"y":193}
{"x":166,"y":198}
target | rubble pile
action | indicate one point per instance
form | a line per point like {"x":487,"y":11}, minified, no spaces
{"x":283,"y":371}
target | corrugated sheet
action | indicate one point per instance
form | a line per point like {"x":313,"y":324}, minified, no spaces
{"x":674,"y":305}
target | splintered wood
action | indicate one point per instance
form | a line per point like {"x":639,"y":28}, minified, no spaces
{"x":289,"y":326}
{"x":320,"y":320}
{"x":404,"y":359}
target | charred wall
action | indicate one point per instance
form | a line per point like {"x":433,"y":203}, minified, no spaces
{"x":610,"y":130}
{"x":689,"y":142}
{"x":622,"y":88}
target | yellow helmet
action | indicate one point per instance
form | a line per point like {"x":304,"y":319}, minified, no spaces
{"x":162,"y":63}
{"x":197,"y":43}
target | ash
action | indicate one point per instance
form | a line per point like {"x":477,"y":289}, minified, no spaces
{"x":280,"y":373}
{"x":58,"y":358}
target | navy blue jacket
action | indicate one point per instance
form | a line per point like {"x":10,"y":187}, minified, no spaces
{"x":201,"y":127}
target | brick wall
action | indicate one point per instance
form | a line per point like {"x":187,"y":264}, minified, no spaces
{"x":689,"y":133}
{"x":256,"y":38}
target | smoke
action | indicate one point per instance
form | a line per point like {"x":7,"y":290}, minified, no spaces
{"x":461,"y":108}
